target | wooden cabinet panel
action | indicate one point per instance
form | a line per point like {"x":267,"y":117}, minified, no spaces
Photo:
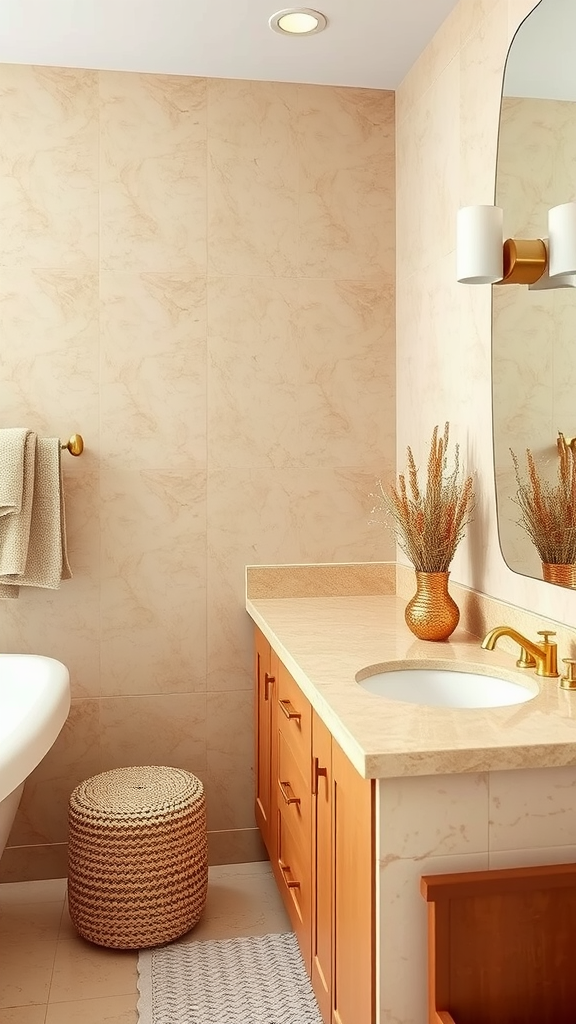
{"x":316,"y":816}
{"x":353,"y":955}
{"x":321,"y":952}
{"x":266,"y":675}
{"x":293,"y":792}
{"x":292,"y":871}
{"x":294,"y":717}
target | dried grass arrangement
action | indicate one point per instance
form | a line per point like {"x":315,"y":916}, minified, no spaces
{"x":549,"y":510}
{"x":430,"y":523}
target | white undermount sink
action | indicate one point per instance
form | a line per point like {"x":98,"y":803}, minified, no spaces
{"x":444,"y":688}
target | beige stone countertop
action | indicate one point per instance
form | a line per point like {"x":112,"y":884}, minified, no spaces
{"x":325,"y":641}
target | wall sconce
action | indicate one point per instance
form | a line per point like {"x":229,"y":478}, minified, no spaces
{"x":483,"y":256}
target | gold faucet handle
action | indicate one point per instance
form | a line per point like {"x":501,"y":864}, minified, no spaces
{"x":546,"y":633}
{"x":568,"y":681}
{"x":525,"y":660}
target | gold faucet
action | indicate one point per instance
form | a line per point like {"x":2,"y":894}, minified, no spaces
{"x":541,"y":656}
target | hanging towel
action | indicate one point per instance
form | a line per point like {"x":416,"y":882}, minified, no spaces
{"x":46,"y":563}
{"x":17,"y":461}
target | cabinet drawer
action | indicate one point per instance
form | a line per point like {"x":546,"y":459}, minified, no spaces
{"x":293,"y":877}
{"x":294,"y":718}
{"x":293,"y":793}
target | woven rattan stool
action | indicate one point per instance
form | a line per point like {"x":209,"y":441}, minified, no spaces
{"x":138,"y":856}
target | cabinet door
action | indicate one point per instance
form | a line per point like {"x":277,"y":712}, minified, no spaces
{"x":353,"y":935}
{"x":321,"y":973}
{"x":265,"y":678}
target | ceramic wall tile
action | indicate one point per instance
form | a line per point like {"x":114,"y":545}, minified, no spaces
{"x":532,"y":808}
{"x":230,"y":797}
{"x":49,"y":168}
{"x":153,"y":369}
{"x":345,"y":340}
{"x":168,"y":729}
{"x":254,"y":373}
{"x":153,"y":581}
{"x":441,"y":49}
{"x":152,"y":172}
{"x":403,"y":939}
{"x":50,"y":350}
{"x":252,"y":178}
{"x":76,"y":755}
{"x":346,"y":201}
{"x":482,"y":57}
{"x":532,"y":858}
{"x":116,"y":189}
{"x":229,"y":730}
{"x":432,"y":816}
{"x":427,"y":174}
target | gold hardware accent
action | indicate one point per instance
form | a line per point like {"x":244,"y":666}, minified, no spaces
{"x":525,"y":260}
{"x":544,"y":654}
{"x":284,"y":787}
{"x":268,"y":680}
{"x":317,"y":773}
{"x":568,"y":681}
{"x":75,"y":445}
{"x":285,"y":868}
{"x":289,"y":710}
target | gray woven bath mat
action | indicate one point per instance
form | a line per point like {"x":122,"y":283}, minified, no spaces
{"x":257,"y":980}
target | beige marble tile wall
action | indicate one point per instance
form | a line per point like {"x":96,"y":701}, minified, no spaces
{"x":447,"y":126}
{"x":199,"y":277}
{"x":534,"y":373}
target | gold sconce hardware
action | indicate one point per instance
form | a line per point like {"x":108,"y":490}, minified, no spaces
{"x":568,"y":681}
{"x":525,"y":260}
{"x":75,"y":445}
{"x":268,"y":681}
{"x":289,"y":710}
{"x":544,"y":655}
{"x":484,"y":256}
{"x":285,"y":787}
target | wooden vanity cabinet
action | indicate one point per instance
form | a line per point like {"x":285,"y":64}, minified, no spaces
{"x":322,"y":850}
{"x":265,"y":676}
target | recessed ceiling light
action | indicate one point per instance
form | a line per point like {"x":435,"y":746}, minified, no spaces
{"x":298,"y":21}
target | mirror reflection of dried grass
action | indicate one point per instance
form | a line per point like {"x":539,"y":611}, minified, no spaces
{"x":549,"y":510}
{"x":429,"y":524}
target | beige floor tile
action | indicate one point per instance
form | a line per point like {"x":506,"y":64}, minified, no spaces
{"x":107,"y":1010}
{"x":85,"y":971}
{"x":240,"y":903}
{"x":24,"y":1015}
{"x":25,"y":971}
{"x":67,"y":929}
{"x":46,"y":890}
{"x":30,"y":920}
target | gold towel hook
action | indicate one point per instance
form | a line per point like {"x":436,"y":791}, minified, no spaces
{"x":75,"y":445}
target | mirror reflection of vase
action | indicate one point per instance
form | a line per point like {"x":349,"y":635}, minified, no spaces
{"x":534,"y":355}
{"x":561,"y":573}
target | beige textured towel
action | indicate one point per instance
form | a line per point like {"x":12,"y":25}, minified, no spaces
{"x":46,"y":563}
{"x":17,"y":459}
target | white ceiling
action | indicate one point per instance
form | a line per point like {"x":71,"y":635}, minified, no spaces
{"x":370,"y":43}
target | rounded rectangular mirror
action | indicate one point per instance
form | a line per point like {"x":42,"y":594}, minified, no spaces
{"x":534,"y":328}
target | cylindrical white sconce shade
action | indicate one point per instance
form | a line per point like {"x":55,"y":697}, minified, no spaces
{"x":479,"y":241}
{"x":562,"y":239}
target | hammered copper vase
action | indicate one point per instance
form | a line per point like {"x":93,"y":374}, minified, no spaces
{"x":432,"y":614}
{"x":563,"y":574}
